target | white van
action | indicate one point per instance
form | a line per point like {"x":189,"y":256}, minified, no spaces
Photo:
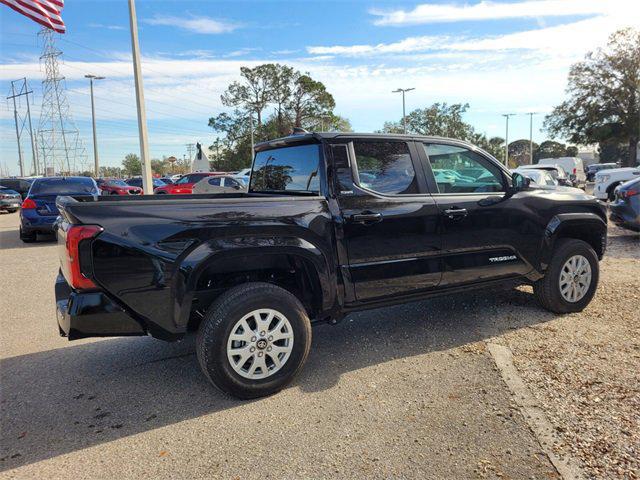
{"x":572,"y":166}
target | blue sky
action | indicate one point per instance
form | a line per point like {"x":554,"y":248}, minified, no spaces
{"x":500,"y":57}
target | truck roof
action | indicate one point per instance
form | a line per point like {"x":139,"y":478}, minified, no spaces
{"x":320,"y":136}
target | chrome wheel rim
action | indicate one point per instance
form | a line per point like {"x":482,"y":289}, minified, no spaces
{"x":575,"y":278}
{"x":260,"y":344}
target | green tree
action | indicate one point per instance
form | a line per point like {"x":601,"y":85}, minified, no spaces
{"x":439,"y":119}
{"x":551,"y":149}
{"x":309,"y":101}
{"x":131,"y":164}
{"x":253,"y":93}
{"x":603,"y":102}
{"x":296,"y":99}
{"x":160,"y":167}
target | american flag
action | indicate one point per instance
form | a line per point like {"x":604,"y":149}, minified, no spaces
{"x":45,"y":12}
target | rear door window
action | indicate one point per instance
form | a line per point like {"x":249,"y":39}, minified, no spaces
{"x":385,"y":167}
{"x":290,"y":169}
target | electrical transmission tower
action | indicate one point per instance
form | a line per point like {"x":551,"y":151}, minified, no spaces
{"x":61,"y":147}
{"x":16,"y":94}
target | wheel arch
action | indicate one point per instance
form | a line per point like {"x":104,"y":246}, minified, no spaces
{"x":292,"y":263}
{"x":588,"y":227}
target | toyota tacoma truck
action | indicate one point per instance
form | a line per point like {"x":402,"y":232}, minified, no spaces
{"x":332,"y":223}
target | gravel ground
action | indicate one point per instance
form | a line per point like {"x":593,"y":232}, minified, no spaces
{"x":403,"y":392}
{"x":584,"y":368}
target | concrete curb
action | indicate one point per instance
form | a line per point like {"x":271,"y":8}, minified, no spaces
{"x":531,"y":411}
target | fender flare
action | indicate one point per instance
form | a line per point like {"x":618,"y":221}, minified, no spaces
{"x":589,"y":222}
{"x":196,"y":261}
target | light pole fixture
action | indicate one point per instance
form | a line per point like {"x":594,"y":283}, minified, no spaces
{"x":404,"y":114}
{"x":506,"y":139}
{"x":93,"y":120}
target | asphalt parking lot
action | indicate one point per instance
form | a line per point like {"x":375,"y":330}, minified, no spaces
{"x":404,"y":392}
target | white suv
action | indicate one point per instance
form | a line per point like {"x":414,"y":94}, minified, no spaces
{"x":608,"y":180}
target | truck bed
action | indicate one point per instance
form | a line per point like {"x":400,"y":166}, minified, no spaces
{"x":151,"y":246}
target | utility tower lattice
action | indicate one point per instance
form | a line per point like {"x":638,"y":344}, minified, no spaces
{"x":61,"y":147}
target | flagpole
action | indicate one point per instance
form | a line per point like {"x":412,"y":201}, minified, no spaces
{"x":147,"y":183}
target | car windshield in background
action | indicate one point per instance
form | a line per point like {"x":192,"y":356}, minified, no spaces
{"x":292,"y":169}
{"x":63,"y":186}
{"x":118,"y":183}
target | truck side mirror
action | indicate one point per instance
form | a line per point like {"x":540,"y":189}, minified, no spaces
{"x":519,"y":182}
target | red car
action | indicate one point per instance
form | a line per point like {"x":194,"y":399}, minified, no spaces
{"x":118,"y":187}
{"x":184,"y":186}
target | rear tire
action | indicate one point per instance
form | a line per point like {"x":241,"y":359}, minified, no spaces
{"x":27,"y":237}
{"x":228,"y":363}
{"x":571,"y":279}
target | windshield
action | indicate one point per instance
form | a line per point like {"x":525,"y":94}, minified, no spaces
{"x":63,"y":186}
{"x":292,"y":169}
{"x":117,"y":183}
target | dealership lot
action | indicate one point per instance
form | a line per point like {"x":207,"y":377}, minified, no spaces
{"x":408,"y":391}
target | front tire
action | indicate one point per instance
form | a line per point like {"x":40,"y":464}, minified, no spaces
{"x":253,"y":340}
{"x":571,"y":279}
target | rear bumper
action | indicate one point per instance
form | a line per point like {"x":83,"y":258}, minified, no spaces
{"x":37,"y":223}
{"x":91,"y":314}
{"x":10,"y":204}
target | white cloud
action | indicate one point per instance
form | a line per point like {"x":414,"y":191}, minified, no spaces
{"x":204,"y":25}
{"x":487,"y":10}
{"x":558,"y":41}
{"x":108,"y":27}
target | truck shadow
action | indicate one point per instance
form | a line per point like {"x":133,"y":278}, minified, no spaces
{"x":63,"y":400}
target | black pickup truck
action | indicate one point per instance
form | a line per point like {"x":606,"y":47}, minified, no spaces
{"x":331,"y":223}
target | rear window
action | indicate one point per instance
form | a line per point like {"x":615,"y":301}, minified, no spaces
{"x":291,"y":169}
{"x":63,"y":186}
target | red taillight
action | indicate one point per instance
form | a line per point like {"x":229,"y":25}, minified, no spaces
{"x":630,"y":193}
{"x":574,"y":171}
{"x":29,"y":204}
{"x":75,"y":234}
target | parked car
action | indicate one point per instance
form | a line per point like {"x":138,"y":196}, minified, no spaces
{"x":10,"y":200}
{"x":573,"y":167}
{"x":219,"y":184}
{"x":543,"y":179}
{"x":137,"y":182}
{"x":556,"y":171}
{"x":625,"y":210}
{"x":20,"y":185}
{"x":39,"y":211}
{"x":184,"y":186}
{"x":118,"y":187}
{"x":596,"y":167}
{"x":308,"y":243}
{"x":608,"y":180}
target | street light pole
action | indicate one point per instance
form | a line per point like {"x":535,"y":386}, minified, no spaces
{"x":531,"y":114}
{"x":404,"y":113}
{"x":506,"y":139}
{"x":93,"y":120}
{"x":147,"y":183}
{"x":252,"y":139}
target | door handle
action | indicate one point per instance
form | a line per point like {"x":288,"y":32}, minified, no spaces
{"x":366,"y":217}
{"x":454,"y":213}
